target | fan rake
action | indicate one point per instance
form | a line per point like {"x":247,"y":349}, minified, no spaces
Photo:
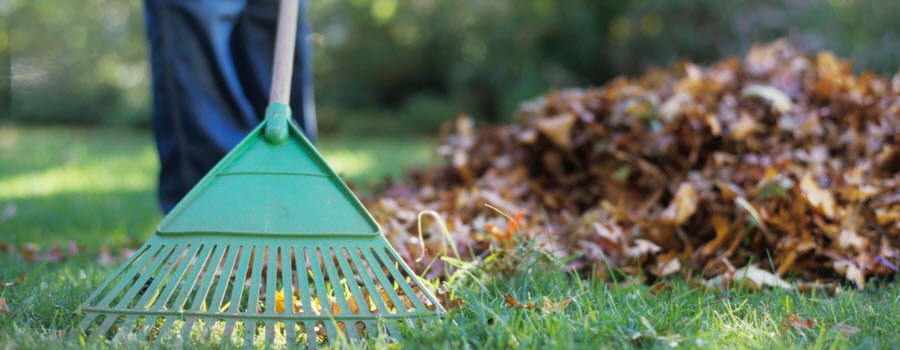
{"x":271,"y":245}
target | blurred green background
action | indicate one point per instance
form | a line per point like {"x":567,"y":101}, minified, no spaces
{"x":407,"y":66}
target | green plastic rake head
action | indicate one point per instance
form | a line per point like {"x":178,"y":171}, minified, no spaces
{"x":269,"y":246}
{"x":271,"y":241}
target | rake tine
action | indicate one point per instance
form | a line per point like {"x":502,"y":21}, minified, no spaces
{"x":321,"y":292}
{"x":216,"y":303}
{"x":368,"y":280}
{"x":166,"y":327}
{"x":270,"y":331}
{"x":401,"y":281}
{"x":255,"y":276}
{"x":386,"y":284}
{"x":312,"y":339}
{"x":335,"y":279}
{"x":239,"y":277}
{"x":227,"y":330}
{"x":290,"y":334}
{"x":128,"y":276}
{"x":188,"y":327}
{"x":370,"y":327}
{"x":150,"y":292}
{"x":287,"y":284}
{"x":118,"y":272}
{"x":208,"y":275}
{"x":330,"y":331}
{"x":108,"y":324}
{"x":143,"y":330}
{"x":272,"y":282}
{"x":303,"y":280}
{"x":351,"y":331}
{"x":191,"y":279}
{"x":392,"y":330}
{"x":127,"y":325}
{"x":168,"y":289}
{"x":141,"y":285}
{"x":250,"y":329}
{"x":355,"y":292}
{"x":88,"y":320}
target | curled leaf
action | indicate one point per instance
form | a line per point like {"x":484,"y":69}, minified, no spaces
{"x":779,"y":101}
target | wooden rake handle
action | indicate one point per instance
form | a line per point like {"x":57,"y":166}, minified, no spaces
{"x":278,"y":113}
{"x":285,"y":39}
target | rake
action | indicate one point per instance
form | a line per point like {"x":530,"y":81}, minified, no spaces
{"x":269,"y":246}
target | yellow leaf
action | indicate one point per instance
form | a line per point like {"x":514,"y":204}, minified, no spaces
{"x":744,"y":127}
{"x":684,"y":205}
{"x":820,"y":199}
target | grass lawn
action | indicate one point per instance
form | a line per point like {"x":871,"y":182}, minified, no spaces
{"x":95,"y":188}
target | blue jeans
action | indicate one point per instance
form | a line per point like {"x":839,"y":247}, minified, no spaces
{"x":211,"y":63}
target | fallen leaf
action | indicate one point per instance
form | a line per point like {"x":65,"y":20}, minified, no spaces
{"x":799,"y":324}
{"x":557,"y":129}
{"x":820,"y":199}
{"x":73,"y":249}
{"x":54,"y":254}
{"x":851,"y":272}
{"x":511,"y":301}
{"x":846,"y":329}
{"x":105,"y":257}
{"x":5,"y":308}
{"x":560,"y":306}
{"x":760,"y":278}
{"x":779,"y":101}
{"x":744,"y":127}
{"x":13,"y":283}
{"x":5,"y":247}
{"x":684,"y":204}
{"x":447,"y":300}
{"x":29,"y":252}
{"x":643,"y":247}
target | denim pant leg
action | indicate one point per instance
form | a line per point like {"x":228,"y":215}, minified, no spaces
{"x":211,"y":63}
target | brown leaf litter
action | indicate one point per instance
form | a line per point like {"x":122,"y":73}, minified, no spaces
{"x":781,"y":157}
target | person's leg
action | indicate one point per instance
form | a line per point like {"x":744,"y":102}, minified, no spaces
{"x":206,"y":96}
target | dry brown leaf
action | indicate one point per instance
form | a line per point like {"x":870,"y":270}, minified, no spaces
{"x":15,"y":282}
{"x":558,"y":129}
{"x":779,"y":101}
{"x":684,"y":204}
{"x":851,"y":272}
{"x":744,"y":127}
{"x":683,"y":160}
{"x":797,"y":323}
{"x":820,"y":199}
{"x":560,"y":306}
{"x":846,"y":329}
{"x":29,"y":252}
{"x":760,"y":278}
{"x":5,"y":308}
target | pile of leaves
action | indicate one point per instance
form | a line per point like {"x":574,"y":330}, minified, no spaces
{"x":783,"y":164}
